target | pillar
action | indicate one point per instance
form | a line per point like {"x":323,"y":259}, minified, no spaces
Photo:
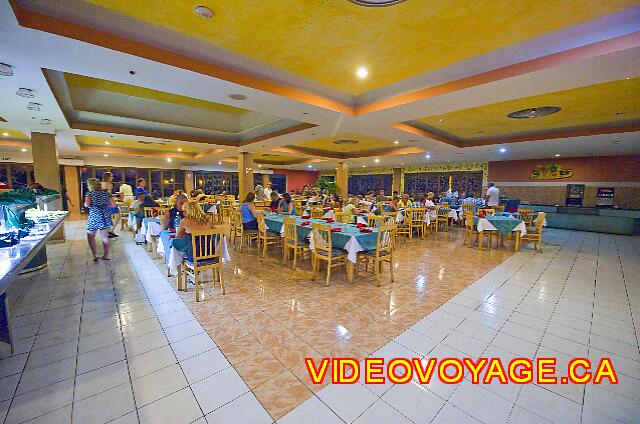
{"x":189,"y":183}
{"x":72,"y":184}
{"x":45,"y":166}
{"x":245,"y":174}
{"x":266,"y":180}
{"x":342,"y":180}
{"x":396,"y":185}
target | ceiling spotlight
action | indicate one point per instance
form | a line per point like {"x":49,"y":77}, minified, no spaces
{"x":309,"y":166}
{"x":106,"y":142}
{"x":23,"y":149}
{"x":362,"y":72}
{"x":105,"y":155}
{"x":428,"y":156}
{"x":45,"y":121}
{"x":6,"y":70}
{"x":376,"y":160}
{"x":396,"y":142}
{"x":364,"y":166}
{"x":34,"y":106}
{"x":219,"y":163}
{"x":259,"y":166}
{"x":5,"y":134}
{"x":314,"y":169}
{"x":440,"y":120}
{"x":179,"y":149}
{"x":237,"y":96}
{"x":534,"y":112}
{"x":203,"y":12}
{"x":168,"y":159}
{"x":557,"y":155}
{"x":25,"y":92}
{"x":502,"y":150}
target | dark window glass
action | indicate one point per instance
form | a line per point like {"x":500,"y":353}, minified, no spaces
{"x":18,"y":176}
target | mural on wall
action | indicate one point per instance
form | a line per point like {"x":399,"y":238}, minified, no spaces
{"x":550,"y":172}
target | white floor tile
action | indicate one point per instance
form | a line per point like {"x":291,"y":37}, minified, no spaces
{"x":245,"y":409}
{"x":203,"y":365}
{"x":382,"y":413}
{"x":158,"y":384}
{"x":347,"y":401}
{"x":105,"y":406}
{"x":151,"y":361}
{"x":414,"y":401}
{"x":40,"y":377}
{"x":39,"y":402}
{"x":99,"y":358}
{"x":97,"y":381}
{"x":449,"y":414}
{"x":416,"y":342}
{"x":549,"y":405}
{"x":145,"y":343}
{"x":311,"y":411}
{"x":519,"y":415}
{"x":192,"y":346}
{"x":59,"y":416}
{"x":481,"y":403}
{"x":219,"y":389}
{"x":178,"y":408}
{"x":612,"y":404}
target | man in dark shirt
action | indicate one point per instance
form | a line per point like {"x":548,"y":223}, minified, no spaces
{"x":275,"y":201}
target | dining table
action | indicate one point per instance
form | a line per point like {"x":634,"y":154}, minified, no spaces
{"x":349,"y":237}
{"x":150,"y":227}
{"x":503,"y":225}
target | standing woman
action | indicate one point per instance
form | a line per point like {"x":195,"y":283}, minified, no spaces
{"x":107,"y":184}
{"x":99,"y":203}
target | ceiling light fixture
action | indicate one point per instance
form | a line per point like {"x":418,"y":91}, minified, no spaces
{"x":106,"y":142}
{"x":259,"y":166}
{"x":557,"y":155}
{"x":5,"y":134}
{"x":179,"y":149}
{"x":428,"y":156}
{"x":396,"y":142}
{"x":203,"y":12}
{"x":219,"y":163}
{"x":6,"y":70}
{"x":25,"y":92}
{"x":309,"y":166}
{"x":362,"y":72}
{"x":502,"y":150}
{"x":23,"y":149}
{"x":168,"y":159}
{"x":45,"y":121}
{"x":105,"y":155}
{"x":376,"y":3}
{"x":364,"y":166}
{"x":534,"y":112}
{"x":237,"y":96}
{"x":34,"y":106}
{"x":616,"y":142}
{"x":376,"y":160}
{"x":345,"y":141}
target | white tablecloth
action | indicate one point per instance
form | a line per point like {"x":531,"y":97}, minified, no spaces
{"x":176,"y":257}
{"x":150,"y":229}
{"x":485,"y":225}
{"x":352,"y":247}
{"x":132,"y":220}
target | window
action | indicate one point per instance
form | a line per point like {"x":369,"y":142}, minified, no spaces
{"x":361,"y":184}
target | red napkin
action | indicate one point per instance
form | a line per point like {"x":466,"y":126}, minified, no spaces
{"x":481,"y":213}
{"x":365,"y":230}
{"x":303,"y":223}
{"x":172,"y":230}
{"x":172,"y":236}
{"x":329,"y":220}
{"x":305,"y":217}
{"x":326,"y":209}
{"x":336,"y":229}
{"x":360,"y":225}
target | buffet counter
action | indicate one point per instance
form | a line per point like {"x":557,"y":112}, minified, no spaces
{"x":28,"y":255}
{"x":611,"y":221}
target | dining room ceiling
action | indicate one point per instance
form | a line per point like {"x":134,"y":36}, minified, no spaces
{"x":441,"y":77}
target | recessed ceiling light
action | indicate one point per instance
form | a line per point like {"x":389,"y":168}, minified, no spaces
{"x":314,"y":169}
{"x":402,"y":164}
{"x":309,"y":166}
{"x":413,"y":140}
{"x":6,"y":70}
{"x":34,"y":106}
{"x":502,"y":150}
{"x":203,"y":12}
{"x":105,"y":155}
{"x":364,"y":166}
{"x":362,"y":72}
{"x":440,"y":120}
{"x":428,"y":156}
{"x":557,"y":155}
{"x":345,"y":142}
{"x":396,"y":142}
{"x":259,"y":166}
{"x":534,"y":112}
{"x":45,"y":121}
{"x":107,"y":142}
{"x":25,"y":92}
{"x":237,"y":96}
{"x":376,"y":160}
{"x":23,"y":149}
{"x":219,"y":163}
{"x":5,"y":134}
{"x":168,"y":159}
{"x":179,"y":149}
{"x":619,"y":113}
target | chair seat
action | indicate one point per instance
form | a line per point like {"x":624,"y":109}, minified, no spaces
{"x":299,"y":243}
{"x":202,"y":262}
{"x":335,"y":252}
{"x":373,"y":253}
{"x":272,"y":234}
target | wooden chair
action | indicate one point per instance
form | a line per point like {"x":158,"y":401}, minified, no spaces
{"x":375,"y":221}
{"x":150,"y":212}
{"x":500,"y":208}
{"x":297,"y":203}
{"x":324,"y":250}
{"x":207,"y":254}
{"x":343,"y":217}
{"x":417,"y":220}
{"x":266,"y":237}
{"x":383,"y":253}
{"x":471,"y":232}
{"x":404,"y":228}
{"x":467,"y":208}
{"x":489,"y":212}
{"x":536,"y":235}
{"x":527,"y":216}
{"x":124,"y":215}
{"x":442,"y":218}
{"x":317,"y":213}
{"x":237,"y":230}
{"x":444,"y":204}
{"x":291,"y":242}
{"x":226,"y":206}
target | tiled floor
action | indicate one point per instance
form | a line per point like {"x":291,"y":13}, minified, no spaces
{"x":115,"y":343}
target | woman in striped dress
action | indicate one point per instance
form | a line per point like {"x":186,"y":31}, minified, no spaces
{"x":100,"y":204}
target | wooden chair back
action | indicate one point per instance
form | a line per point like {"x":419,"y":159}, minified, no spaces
{"x":468,"y":221}
{"x":290,"y":231}
{"x":444,"y":204}
{"x":499,"y":208}
{"x":343,"y":217}
{"x":468,"y":207}
{"x":375,"y":221}
{"x":384,"y":241}
{"x":526,"y":215}
{"x":206,"y":244}
{"x":317,"y":213}
{"x":442,"y":212}
{"x":540,"y":222}
{"x":322,"y":238}
{"x":489,"y":212}
{"x":417,"y":215}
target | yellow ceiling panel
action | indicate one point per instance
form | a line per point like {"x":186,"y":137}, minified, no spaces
{"x":138,"y":145}
{"x":6,"y":133}
{"x":74,"y":80}
{"x":326,"y":41}
{"x":598,"y":104}
{"x":345,"y":143}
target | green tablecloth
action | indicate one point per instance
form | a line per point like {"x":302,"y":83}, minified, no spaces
{"x":338,"y":239}
{"x":503,"y":224}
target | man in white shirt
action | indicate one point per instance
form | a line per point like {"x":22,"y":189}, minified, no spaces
{"x":493,"y":195}
{"x":126,"y":192}
{"x":267,"y":191}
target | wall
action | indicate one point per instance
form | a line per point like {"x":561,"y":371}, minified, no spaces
{"x":297,"y":179}
{"x":620,"y":172}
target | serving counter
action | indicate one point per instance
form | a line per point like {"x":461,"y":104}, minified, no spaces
{"x":28,"y":255}
{"x":611,"y":221}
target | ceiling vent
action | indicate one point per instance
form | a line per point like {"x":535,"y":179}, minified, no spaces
{"x":152,"y":143}
{"x":345,"y":142}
